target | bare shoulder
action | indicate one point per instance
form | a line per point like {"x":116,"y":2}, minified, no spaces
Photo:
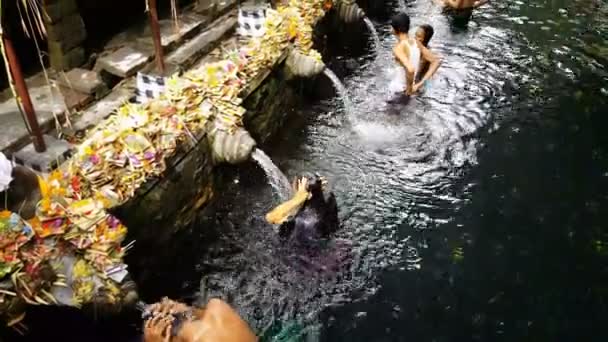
{"x":402,"y":47}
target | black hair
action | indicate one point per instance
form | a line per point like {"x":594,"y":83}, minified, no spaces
{"x":401,"y":22}
{"x":428,"y":33}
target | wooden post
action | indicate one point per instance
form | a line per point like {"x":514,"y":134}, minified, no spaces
{"x":158,"y":47}
{"x":24,"y":95}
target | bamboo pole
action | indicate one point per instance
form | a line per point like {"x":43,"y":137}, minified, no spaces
{"x":160,"y":60}
{"x":24,"y":95}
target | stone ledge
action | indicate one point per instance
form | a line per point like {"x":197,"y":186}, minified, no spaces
{"x":48,"y":102}
{"x":124,"y":62}
{"x":202,"y":44}
{"x":189,"y":25}
{"x":104,"y":107}
{"x":82,"y":80}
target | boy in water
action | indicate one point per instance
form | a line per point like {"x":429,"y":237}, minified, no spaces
{"x":427,"y":68}
{"x":461,"y":4}
{"x":409,"y":52}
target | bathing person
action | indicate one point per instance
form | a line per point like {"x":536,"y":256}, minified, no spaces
{"x":309,"y":217}
{"x":170,"y":321}
{"x":409,"y":52}
{"x":427,"y":68}
{"x":461,"y":4}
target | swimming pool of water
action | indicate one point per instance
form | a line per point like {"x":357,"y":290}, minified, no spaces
{"x":474,"y":212}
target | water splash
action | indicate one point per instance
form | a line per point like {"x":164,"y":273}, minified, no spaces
{"x":401,"y":5}
{"x":276,"y":178}
{"x":372,"y":30}
{"x":339,"y":88}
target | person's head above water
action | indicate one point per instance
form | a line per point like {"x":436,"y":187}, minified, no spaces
{"x":424,"y":33}
{"x":400,"y":23}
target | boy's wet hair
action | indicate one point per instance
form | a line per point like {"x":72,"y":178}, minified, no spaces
{"x":401,"y":23}
{"x":428,"y":33}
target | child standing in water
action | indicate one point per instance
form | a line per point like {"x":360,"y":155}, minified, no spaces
{"x":409,"y":52}
{"x":427,"y":67}
{"x":461,"y":4}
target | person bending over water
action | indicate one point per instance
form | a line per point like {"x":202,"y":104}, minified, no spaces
{"x":308,"y":221}
{"x":309,"y":217}
{"x":461,"y":4}
{"x":409,"y":52}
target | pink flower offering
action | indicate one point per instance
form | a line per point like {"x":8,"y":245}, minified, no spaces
{"x":149,"y":155}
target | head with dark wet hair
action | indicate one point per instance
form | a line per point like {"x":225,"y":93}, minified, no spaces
{"x":424,"y":34}
{"x":400,"y":23}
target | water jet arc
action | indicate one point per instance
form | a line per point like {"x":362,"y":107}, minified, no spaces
{"x":340,"y":89}
{"x":276,"y":177}
{"x":374,"y":33}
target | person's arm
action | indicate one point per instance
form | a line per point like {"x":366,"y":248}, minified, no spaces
{"x":434,"y":62}
{"x":404,"y":59}
{"x":281,"y":213}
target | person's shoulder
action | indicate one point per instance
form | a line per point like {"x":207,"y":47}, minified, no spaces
{"x":403,"y":46}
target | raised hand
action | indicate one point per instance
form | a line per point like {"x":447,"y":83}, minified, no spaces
{"x":167,"y":307}
{"x":158,"y":329}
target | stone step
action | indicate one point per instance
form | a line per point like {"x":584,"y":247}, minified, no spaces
{"x":82,"y":80}
{"x":48,"y":103}
{"x":214,"y":8}
{"x":203,"y":43}
{"x":104,"y":107}
{"x":124,"y":62}
{"x":57,"y":152}
{"x":189,"y":24}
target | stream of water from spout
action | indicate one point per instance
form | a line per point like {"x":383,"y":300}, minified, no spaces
{"x":340,"y":89}
{"x":402,"y":5}
{"x":372,"y":30}
{"x":276,"y":178}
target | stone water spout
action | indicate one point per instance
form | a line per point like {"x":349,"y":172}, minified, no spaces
{"x":349,"y":11}
{"x":231,"y":147}
{"x":301,"y":65}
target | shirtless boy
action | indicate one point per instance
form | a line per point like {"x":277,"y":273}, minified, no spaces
{"x":461,"y":4}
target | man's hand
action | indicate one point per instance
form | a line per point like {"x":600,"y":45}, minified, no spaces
{"x":168,"y":307}
{"x":417,"y":87}
{"x":158,"y":329}
{"x":301,"y":185}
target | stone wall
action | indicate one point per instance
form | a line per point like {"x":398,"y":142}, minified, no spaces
{"x":268,"y":106}
{"x":66,"y":34}
{"x":164,"y":206}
